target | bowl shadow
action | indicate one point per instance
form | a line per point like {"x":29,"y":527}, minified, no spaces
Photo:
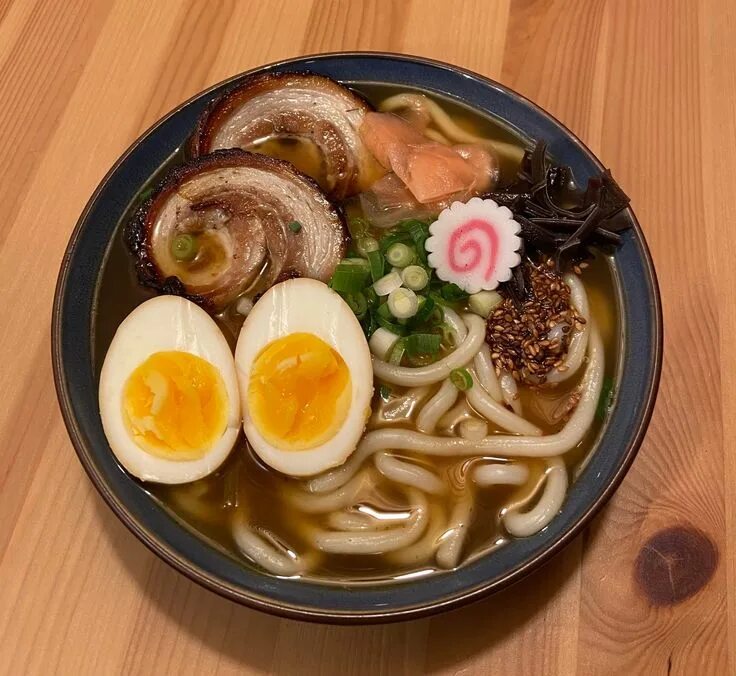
{"x":250,"y":640}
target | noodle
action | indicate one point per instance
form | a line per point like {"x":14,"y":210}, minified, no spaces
{"x":459,"y":412}
{"x":494,"y":474}
{"x":439,"y":370}
{"x":263,"y":553}
{"x":344,"y":495}
{"x":404,"y":472}
{"x":523,"y":524}
{"x":377,"y":542}
{"x":352,"y":520}
{"x":437,"y":136}
{"x":487,"y":373}
{"x":579,"y":339}
{"x":424,"y":548}
{"x":490,"y":409}
{"x":456,"y":324}
{"x":473,"y":429}
{"x":451,"y":542}
{"x":437,"y":406}
{"x":510,"y":391}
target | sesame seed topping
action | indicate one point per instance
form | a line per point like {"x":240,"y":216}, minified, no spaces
{"x":519,"y":335}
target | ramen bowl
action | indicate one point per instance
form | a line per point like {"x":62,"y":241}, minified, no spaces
{"x":75,"y":364}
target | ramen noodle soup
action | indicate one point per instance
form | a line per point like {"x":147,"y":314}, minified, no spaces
{"x":359,"y":334}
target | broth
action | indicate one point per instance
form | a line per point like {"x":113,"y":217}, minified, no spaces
{"x":245,"y":483}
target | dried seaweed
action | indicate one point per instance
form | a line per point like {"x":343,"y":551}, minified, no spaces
{"x":558,"y":220}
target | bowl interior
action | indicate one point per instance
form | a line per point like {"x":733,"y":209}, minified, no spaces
{"x":72,"y":337}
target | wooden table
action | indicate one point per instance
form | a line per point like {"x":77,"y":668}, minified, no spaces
{"x":649,"y":85}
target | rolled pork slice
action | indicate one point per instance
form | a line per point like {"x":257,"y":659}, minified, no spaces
{"x":302,"y":107}
{"x":253,"y":221}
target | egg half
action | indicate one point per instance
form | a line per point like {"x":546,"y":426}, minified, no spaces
{"x":168,"y":393}
{"x":305,"y":377}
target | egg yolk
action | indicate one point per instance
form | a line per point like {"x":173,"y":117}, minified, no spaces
{"x":175,"y":405}
{"x":299,"y":392}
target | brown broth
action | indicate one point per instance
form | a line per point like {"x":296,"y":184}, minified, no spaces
{"x":243,"y":482}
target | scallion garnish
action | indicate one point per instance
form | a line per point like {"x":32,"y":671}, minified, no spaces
{"x":604,"y":401}
{"x":349,"y":276}
{"x":415,"y":277}
{"x":375,"y":261}
{"x":397,"y":352}
{"x":295,"y":226}
{"x":419,"y":233}
{"x":403,"y":303}
{"x":452,"y":293}
{"x":483,"y":302}
{"x":357,"y":227}
{"x":425,"y":308}
{"x":387,"y":284}
{"x":366,"y":244}
{"x":184,"y":247}
{"x":422,"y":344}
{"x":461,"y":379}
{"x":357,"y":303}
{"x":400,"y":255}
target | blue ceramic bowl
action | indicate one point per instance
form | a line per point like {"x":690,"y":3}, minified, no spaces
{"x":76,"y":383}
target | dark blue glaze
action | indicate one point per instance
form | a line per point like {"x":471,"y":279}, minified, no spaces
{"x":77,"y":386}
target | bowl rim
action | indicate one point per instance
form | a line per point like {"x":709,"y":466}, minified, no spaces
{"x":283,"y":609}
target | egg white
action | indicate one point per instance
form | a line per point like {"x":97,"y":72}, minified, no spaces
{"x":307,"y":306}
{"x":161,"y":324}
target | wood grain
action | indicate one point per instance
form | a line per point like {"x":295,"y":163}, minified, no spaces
{"x":650,"y":86}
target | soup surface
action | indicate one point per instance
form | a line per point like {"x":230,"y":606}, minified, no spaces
{"x":245,"y":489}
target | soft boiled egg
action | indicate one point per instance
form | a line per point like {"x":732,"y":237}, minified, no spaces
{"x":305,"y":376}
{"x":168,"y":392}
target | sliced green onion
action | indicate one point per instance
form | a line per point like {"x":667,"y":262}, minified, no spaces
{"x":355,"y":261}
{"x":385,"y":319}
{"x":461,"y":379}
{"x":349,"y":276}
{"x":604,"y":401}
{"x":370,"y":297}
{"x":400,"y":255}
{"x":452,"y":292}
{"x":422,"y":343}
{"x":375,"y":261}
{"x":357,"y":227}
{"x":419,"y":233}
{"x":384,"y":392}
{"x":424,"y":311}
{"x":415,"y":277}
{"x":397,"y":352}
{"x":369,"y":324}
{"x":184,"y":247}
{"x":387,"y":284}
{"x":366,"y":244}
{"x":381,"y":342}
{"x":145,"y":194}
{"x":295,"y":226}
{"x":392,"y":238}
{"x":483,"y":302}
{"x":387,"y":324}
{"x":448,"y":335}
{"x":357,"y":304}
{"x":403,"y":303}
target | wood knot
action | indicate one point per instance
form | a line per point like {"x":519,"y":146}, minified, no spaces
{"x":674,"y":564}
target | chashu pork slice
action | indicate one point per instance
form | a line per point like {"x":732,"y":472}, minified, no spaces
{"x":301,"y":108}
{"x":251,"y":221}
